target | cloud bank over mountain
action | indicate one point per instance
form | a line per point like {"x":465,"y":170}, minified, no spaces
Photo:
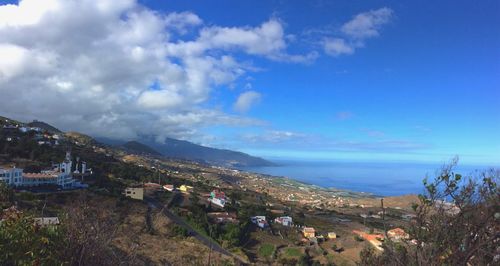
{"x":91,"y":66}
{"x":119,"y":69}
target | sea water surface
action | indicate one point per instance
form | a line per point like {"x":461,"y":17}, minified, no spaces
{"x":379,"y":178}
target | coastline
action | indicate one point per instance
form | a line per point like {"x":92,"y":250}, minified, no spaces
{"x":382,"y":179}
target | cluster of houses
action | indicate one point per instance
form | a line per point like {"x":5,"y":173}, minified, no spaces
{"x":22,"y":129}
{"x":261,"y":221}
{"x":181,"y":188}
{"x":312,"y":236}
{"x":309,"y":233}
{"x":138,"y":192}
{"x":40,"y":137}
{"x":396,"y":234}
{"x":60,"y":174}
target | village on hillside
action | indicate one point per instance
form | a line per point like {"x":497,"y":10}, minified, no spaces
{"x":259,"y":218}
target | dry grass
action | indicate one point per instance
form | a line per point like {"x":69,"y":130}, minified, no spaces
{"x":161,"y":246}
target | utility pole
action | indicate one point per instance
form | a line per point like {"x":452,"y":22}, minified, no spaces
{"x":383,"y":216}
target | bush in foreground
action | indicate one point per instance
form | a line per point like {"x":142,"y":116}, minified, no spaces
{"x":457,"y":223}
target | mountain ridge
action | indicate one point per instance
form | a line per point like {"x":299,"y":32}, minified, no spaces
{"x":182,"y":149}
{"x":140,"y":148}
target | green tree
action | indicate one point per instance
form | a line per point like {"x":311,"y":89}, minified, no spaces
{"x":231,"y":235}
{"x":24,"y":243}
{"x":6,"y":193}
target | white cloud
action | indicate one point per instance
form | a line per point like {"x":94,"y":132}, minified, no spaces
{"x":28,"y":12}
{"x":367,"y":24}
{"x":356,"y":31}
{"x":266,"y":40}
{"x":246,"y":100}
{"x":337,"y":46}
{"x":182,"y":21}
{"x":273,"y":137}
{"x":280,"y":136}
{"x":89,"y":66}
{"x":13,"y":58}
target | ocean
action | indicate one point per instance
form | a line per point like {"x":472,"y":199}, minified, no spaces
{"x":379,"y":178}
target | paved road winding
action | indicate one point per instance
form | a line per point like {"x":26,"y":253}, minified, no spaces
{"x":176,"y":219}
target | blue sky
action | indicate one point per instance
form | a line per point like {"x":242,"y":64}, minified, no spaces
{"x":419,"y":82}
{"x":427,"y":88}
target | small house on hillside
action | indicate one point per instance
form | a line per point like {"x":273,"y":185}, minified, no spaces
{"x":309,"y":232}
{"x":260,"y":221}
{"x":284,"y":220}
{"x":332,"y":235}
{"x":185,"y":188}
{"x":218,"y":198}
{"x":135,"y":193}
{"x":397,"y":234}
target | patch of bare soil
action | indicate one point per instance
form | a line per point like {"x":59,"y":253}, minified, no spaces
{"x":403,"y":202}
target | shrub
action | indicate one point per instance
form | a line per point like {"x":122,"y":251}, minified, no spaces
{"x":358,"y":238}
{"x":266,"y":250}
{"x":180,"y":231}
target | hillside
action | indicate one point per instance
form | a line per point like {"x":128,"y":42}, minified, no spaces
{"x":8,"y":121}
{"x":44,"y":126}
{"x":139,"y":148}
{"x":80,"y":138}
{"x":173,"y":148}
{"x":182,"y":149}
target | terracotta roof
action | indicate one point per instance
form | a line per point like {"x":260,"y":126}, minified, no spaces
{"x":397,"y":232}
{"x":39,"y":175}
{"x":367,"y":236}
{"x":222,"y":215}
{"x":149,"y":184}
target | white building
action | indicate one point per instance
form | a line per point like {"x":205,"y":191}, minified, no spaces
{"x":135,"y":193}
{"x":60,"y":175}
{"x":11,"y":176}
{"x":260,"y":221}
{"x":46,"y":221}
{"x":284,"y":220}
